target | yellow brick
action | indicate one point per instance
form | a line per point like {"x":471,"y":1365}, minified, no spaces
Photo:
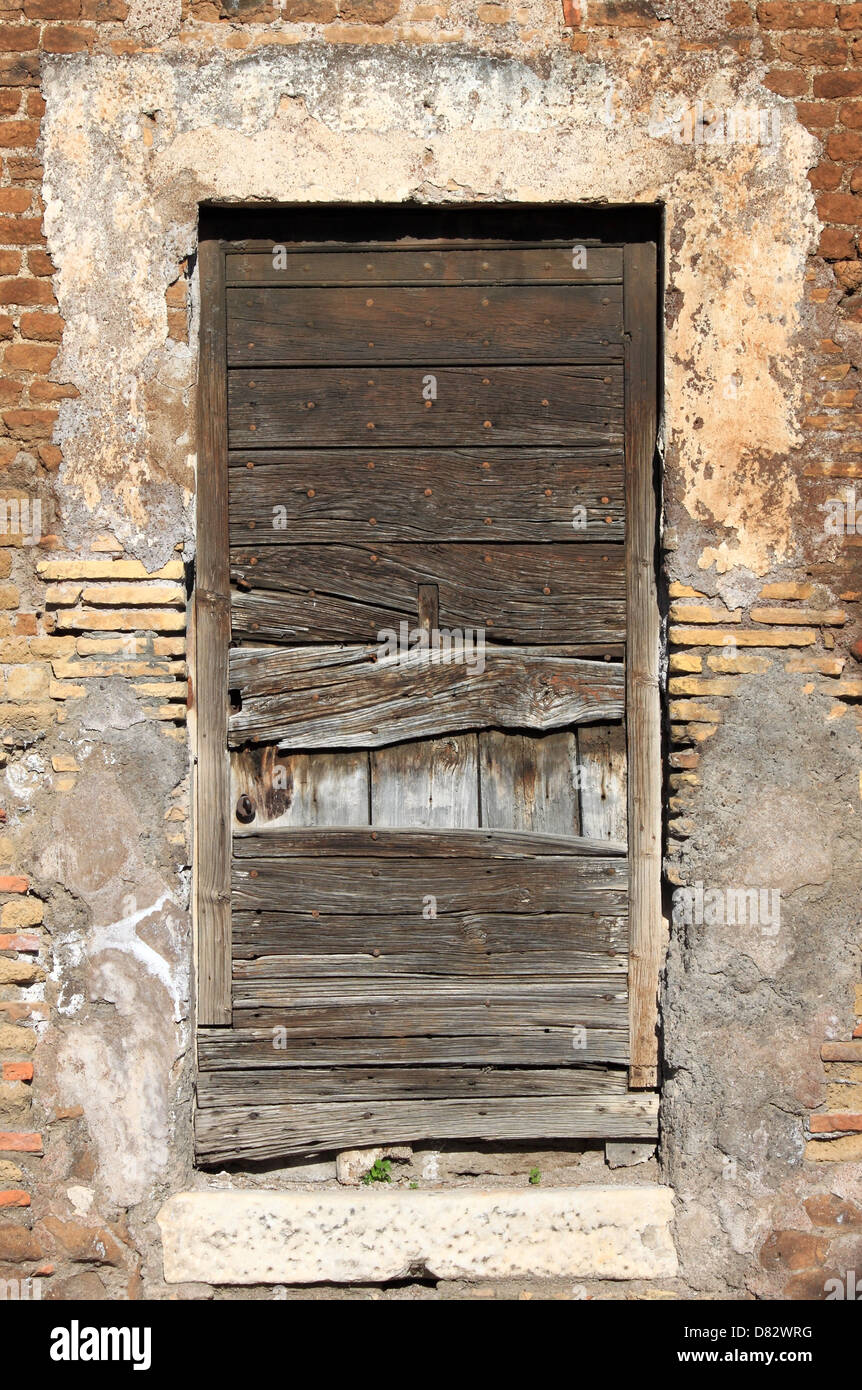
{"x":847,"y":1149}
{"x":702,"y":613}
{"x":19,"y":972}
{"x":36,"y":716}
{"x":28,"y":682}
{"x":122,"y":620}
{"x":179,"y":735}
{"x":21,"y":912}
{"x":62,"y":593}
{"x":685,"y":661}
{"x":676,"y":590}
{"x":711,"y":637}
{"x":738,"y":665}
{"x":10,"y":1173}
{"x":822,"y":665}
{"x":701,"y":685}
{"x":820,"y":617}
{"x":690,"y":710}
{"x":169,"y":646}
{"x":857,"y":1008}
{"x":842,"y":1099}
{"x":9,"y":596}
{"x":171,"y":690}
{"x":66,"y":690}
{"x":65,"y":783}
{"x":106,"y":569}
{"x":177,"y":712}
{"x":787,"y":591}
{"x":125,"y":595}
{"x":64,"y":762}
{"x":91,"y":670}
{"x":846,"y":1071}
{"x":49,"y":647}
{"x":850,"y":689}
{"x":129,"y":647}
{"x":14,"y":1039}
{"x":836,"y":373}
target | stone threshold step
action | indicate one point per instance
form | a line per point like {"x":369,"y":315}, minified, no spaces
{"x":378,"y":1235}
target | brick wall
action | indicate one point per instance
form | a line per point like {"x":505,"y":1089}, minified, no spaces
{"x":67,"y":619}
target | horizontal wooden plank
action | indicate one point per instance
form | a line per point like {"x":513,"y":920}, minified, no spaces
{"x":231,"y":1049}
{"x":411,"y":952}
{"x":272,"y":788}
{"x":292,"y":1085}
{"x":454,"y":264}
{"x":448,"y":844}
{"x":522,"y":593}
{"x":279,"y":326}
{"x":298,"y":497}
{"x":370,"y":702}
{"x":272,"y":1130}
{"x":285,"y":407}
{"x":340,"y":885}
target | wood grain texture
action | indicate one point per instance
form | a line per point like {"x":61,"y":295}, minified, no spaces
{"x":643,"y":701}
{"x":527,"y":782}
{"x":602,"y":781}
{"x":400,"y":844}
{"x":516,"y":593}
{"x":212,"y":638}
{"x":451,"y":265}
{"x":240,"y":1047}
{"x":368,"y":702}
{"x":285,"y":407}
{"x":327,"y":496}
{"x":267,"y":1086}
{"x":268,"y":1131}
{"x":281,"y":326}
{"x":342,"y":884}
{"x":433,"y":783}
{"x":284,"y":790}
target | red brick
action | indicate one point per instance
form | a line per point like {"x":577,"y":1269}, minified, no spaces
{"x":20,"y":70}
{"x":26,"y":292}
{"x":51,"y":456}
{"x":19,"y":134}
{"x":24,"y":169}
{"x":837,"y":243}
{"x":829,"y":1124}
{"x":103,"y":10}
{"x":825,"y":176}
{"x":34,"y":104}
{"x":39,"y":262}
{"x":851,"y":114}
{"x":826,"y":1209}
{"x":10,"y":100}
{"x":15,"y":199}
{"x":793,"y":1250}
{"x":10,"y":262}
{"x":83,"y":1244}
{"x":850,"y":16}
{"x":817,"y":115}
{"x":838,"y":84}
{"x":14,"y":883}
{"x":29,"y":357}
{"x":796,"y":16}
{"x":42,"y":327}
{"x":10,"y":391}
{"x":738,"y":16}
{"x":19,"y":943}
{"x":17,"y":1071}
{"x":52,"y":9}
{"x":572,"y":14}
{"x":815,"y":53}
{"x":46,"y":392}
{"x":30,"y":424}
{"x":844,"y":144}
{"x":786,"y":82}
{"x":67,"y":38}
{"x":810,"y":1287}
{"x":19,"y":1245}
{"x":19,"y":1143}
{"x":19,"y":38}
{"x":14,"y":1197}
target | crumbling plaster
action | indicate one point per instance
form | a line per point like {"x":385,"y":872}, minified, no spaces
{"x":131,"y":146}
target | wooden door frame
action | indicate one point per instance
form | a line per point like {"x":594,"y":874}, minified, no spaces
{"x":211,"y":627}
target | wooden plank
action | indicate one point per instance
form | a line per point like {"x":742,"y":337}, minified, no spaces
{"x":337,"y":884}
{"x":246,"y":1132}
{"x":241,"y":1047}
{"x":602,"y":781}
{"x":280,"y":326}
{"x":419,"y":944}
{"x":370,"y":702}
{"x":266,"y":1086}
{"x":373,"y":265}
{"x":433,"y":783}
{"x":273,"y":407}
{"x":453,"y":844}
{"x":301,"y":497}
{"x":642,"y":687}
{"x":528,"y":782}
{"x":275,"y":790}
{"x":212,"y":639}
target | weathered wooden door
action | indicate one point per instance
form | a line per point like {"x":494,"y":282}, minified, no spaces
{"x":425,"y":613}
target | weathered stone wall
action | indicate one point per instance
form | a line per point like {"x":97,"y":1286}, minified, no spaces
{"x":115,"y":123}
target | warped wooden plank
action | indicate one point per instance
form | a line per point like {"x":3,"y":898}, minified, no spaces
{"x":602,"y":781}
{"x":527,"y":782}
{"x":211,"y":628}
{"x":416,"y":943}
{"x":327,"y":495}
{"x":275,"y":407}
{"x":272,"y":1130}
{"x":267,"y":1046}
{"x":371,"y":702}
{"x":275,"y":790}
{"x":643,"y":708}
{"x":338,"y":884}
{"x":514,"y":593}
{"x":266,"y":1086}
{"x":433,"y":783}
{"x":452,"y":265}
{"x":286,"y":326}
{"x":424,"y":843}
